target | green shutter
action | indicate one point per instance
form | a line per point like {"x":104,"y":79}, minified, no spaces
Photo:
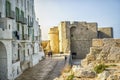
{"x":17,"y":13}
{"x":8,"y":8}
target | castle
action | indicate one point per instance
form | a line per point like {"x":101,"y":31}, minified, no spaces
{"x":76,"y":37}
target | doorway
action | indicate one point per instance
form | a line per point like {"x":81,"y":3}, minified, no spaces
{"x":3,"y":62}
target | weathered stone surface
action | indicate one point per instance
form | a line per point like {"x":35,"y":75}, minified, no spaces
{"x":87,"y":74}
{"x":83,"y":72}
{"x":110,"y":51}
{"x":104,"y":75}
{"x":113,"y":77}
{"x":97,"y":42}
{"x":75,"y":68}
{"x":114,"y":54}
{"x":84,"y":62}
{"x":95,"y":50}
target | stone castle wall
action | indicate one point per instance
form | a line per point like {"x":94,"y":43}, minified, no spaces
{"x":77,"y":37}
{"x":71,"y":37}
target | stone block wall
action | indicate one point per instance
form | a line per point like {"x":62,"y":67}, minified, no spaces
{"x":97,"y":42}
{"x":105,"y":50}
{"x":82,"y":34}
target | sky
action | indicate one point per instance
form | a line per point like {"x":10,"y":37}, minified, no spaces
{"x":51,"y":12}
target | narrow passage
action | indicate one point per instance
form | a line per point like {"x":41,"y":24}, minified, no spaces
{"x":47,"y":69}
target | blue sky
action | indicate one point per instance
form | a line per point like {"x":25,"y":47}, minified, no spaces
{"x":51,"y":12}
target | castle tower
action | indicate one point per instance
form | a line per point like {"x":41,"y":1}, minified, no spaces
{"x":64,"y":36}
{"x":54,"y":39}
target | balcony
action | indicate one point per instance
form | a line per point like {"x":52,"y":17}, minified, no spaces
{"x":10,"y":14}
{"x":24,"y":20}
{"x":30,"y":24}
{"x":5,"y":28}
{"x":20,"y":19}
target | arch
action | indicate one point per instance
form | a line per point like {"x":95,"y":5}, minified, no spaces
{"x":3,"y":62}
{"x":72,"y":30}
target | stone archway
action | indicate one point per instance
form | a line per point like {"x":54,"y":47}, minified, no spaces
{"x":3,"y":62}
{"x":73,"y":44}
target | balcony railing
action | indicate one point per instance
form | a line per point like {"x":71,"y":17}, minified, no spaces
{"x":30,"y":24}
{"x":20,"y":19}
{"x":24,"y":20}
{"x":10,"y":14}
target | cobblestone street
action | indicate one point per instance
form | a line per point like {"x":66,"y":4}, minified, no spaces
{"x":47,"y":69}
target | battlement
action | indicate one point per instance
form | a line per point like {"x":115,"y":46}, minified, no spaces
{"x":54,"y":30}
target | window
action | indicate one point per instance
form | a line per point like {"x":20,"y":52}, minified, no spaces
{"x":9,"y":26}
{"x":22,"y":15}
{"x":28,"y":52}
{"x":0,"y":14}
{"x":86,"y":28}
{"x":71,"y":35}
{"x":18,"y":28}
{"x":23,"y":32}
{"x":18,"y":52}
{"x":28,"y":33}
{"x":25,"y":4}
{"x":17,"y":1}
{"x":22,"y":3}
{"x":17,"y":13}
{"x":28,"y":5}
{"x":8,"y":8}
{"x":28,"y":19}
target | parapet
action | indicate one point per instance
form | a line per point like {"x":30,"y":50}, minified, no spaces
{"x":106,"y":32}
{"x":54,"y":30}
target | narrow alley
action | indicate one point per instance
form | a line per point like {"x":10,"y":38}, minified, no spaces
{"x":47,"y":69}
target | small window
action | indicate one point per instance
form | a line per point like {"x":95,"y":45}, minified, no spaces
{"x":17,"y":1}
{"x":71,"y":35}
{"x":9,"y":26}
{"x":0,"y":14}
{"x":3,"y":29}
{"x":86,"y":28}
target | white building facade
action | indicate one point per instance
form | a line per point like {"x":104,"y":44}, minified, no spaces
{"x":20,"y":38}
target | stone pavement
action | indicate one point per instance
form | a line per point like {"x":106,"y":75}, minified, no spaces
{"x":47,"y":69}
{"x":56,"y":72}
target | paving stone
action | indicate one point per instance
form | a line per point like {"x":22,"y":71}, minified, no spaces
{"x":47,"y":69}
